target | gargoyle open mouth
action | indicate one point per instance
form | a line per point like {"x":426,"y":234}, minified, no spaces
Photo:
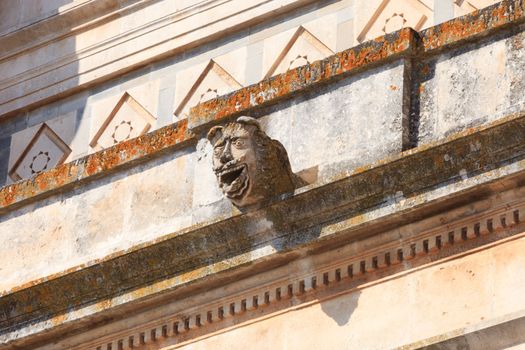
{"x":234,"y":180}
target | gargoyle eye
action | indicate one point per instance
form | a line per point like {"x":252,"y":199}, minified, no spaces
{"x":238,"y":143}
{"x":217,"y":150}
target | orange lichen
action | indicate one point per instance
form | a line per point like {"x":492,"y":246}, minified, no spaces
{"x":95,"y":164}
{"x":284,"y":85}
{"x":477,"y":23}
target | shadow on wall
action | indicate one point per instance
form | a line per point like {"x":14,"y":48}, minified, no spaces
{"x":15,"y":14}
{"x":38,"y":139}
{"x":341,"y":309}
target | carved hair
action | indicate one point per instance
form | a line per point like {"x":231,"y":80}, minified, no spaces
{"x":216,"y":131}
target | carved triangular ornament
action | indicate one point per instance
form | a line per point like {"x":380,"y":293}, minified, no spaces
{"x":127,"y":120}
{"x":392,"y":15}
{"x":472,"y":5}
{"x":45,"y":151}
{"x":213,"y":81}
{"x":303,"y":48}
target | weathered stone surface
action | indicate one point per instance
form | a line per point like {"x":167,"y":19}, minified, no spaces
{"x":458,"y":91}
{"x":96,"y":220}
{"x":331,"y":127}
{"x":141,"y":224}
{"x":392,"y":188}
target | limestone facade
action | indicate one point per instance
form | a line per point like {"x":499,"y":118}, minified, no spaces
{"x":59,"y":48}
{"x":403,"y":119}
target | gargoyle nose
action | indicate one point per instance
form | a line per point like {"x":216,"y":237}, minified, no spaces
{"x":226,"y":155}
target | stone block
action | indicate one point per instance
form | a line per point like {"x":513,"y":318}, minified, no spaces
{"x":471,"y":86}
{"x":111,"y":214}
{"x":332,"y":127}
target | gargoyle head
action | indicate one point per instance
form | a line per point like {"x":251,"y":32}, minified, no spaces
{"x":250,"y":166}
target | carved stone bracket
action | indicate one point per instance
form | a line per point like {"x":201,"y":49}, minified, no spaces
{"x":251,"y":168}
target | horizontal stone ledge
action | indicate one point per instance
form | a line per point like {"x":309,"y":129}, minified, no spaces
{"x":403,"y":43}
{"x":269,"y":91}
{"x":473,"y":26}
{"x":453,"y":170}
{"x":72,"y":19}
{"x":64,"y":177}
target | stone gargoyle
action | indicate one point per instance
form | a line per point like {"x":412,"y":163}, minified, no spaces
{"x":251,"y":168}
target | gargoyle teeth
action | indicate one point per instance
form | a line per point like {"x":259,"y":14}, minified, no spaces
{"x":228,"y":176}
{"x":230,"y":170}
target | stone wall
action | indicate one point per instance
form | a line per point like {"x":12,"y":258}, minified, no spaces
{"x":80,"y":54}
{"x":179,"y":190}
{"x":410,"y":147}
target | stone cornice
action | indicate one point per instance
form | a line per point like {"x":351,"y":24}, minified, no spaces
{"x":71,"y":20}
{"x":301,"y":222}
{"x":345,"y":270}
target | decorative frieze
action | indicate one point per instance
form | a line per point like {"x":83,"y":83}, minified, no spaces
{"x":280,"y":50}
{"x":342,"y":272}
